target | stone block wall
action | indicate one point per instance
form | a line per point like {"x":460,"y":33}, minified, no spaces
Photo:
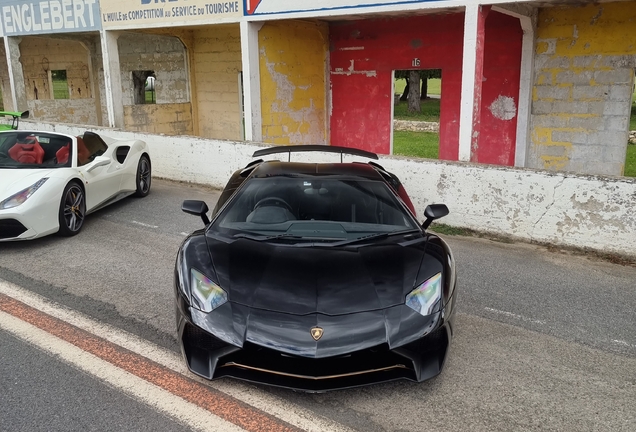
{"x":584,"y":78}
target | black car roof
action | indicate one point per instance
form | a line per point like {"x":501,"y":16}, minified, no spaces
{"x":353,"y":169}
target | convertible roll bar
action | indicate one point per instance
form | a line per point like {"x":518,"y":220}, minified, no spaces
{"x":315,"y":148}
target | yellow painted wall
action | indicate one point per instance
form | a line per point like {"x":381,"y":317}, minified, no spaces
{"x":293,"y":57}
{"x":169,"y":119}
{"x":584,"y":72}
{"x":216,"y":63}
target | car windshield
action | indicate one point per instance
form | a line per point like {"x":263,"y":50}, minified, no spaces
{"x":30,"y":150}
{"x":314,"y":209}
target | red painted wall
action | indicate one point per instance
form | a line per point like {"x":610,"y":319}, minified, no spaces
{"x":363,"y":55}
{"x":502,"y":69}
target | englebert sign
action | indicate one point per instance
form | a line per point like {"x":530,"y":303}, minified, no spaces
{"x":24,"y":17}
{"x":124,"y":13}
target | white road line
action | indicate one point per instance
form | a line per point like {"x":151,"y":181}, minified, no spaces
{"x":515,"y":316}
{"x":162,"y":400}
{"x":184,"y":233}
{"x":623,"y":343}
{"x":145,"y":225}
{"x":278,"y":407}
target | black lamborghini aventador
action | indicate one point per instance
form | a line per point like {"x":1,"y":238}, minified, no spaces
{"x":314,"y":276}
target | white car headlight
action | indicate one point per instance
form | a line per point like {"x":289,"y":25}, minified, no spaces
{"x":20,"y":197}
{"x":424,"y":298}
{"x":206,"y":295}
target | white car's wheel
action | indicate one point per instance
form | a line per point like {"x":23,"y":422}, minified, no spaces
{"x":72,"y":210}
{"x":143,"y":177}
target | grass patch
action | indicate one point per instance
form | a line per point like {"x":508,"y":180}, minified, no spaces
{"x":430,"y":111}
{"x":632,"y":119}
{"x":60,"y":89}
{"x":630,"y":161}
{"x":444,"y":229}
{"x":416,"y":144}
{"x":434,"y":86}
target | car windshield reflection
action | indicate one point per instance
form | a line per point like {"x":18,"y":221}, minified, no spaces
{"x":315,"y":209}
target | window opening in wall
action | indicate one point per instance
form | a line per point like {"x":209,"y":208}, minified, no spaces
{"x":144,"y":83}
{"x":59,"y":84}
{"x":416,"y":112}
{"x":630,"y":157}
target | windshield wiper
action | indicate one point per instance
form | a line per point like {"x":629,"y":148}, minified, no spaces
{"x":376,"y":236}
{"x":267,"y":237}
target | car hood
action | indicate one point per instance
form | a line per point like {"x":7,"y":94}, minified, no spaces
{"x":15,"y":180}
{"x":325,"y":280}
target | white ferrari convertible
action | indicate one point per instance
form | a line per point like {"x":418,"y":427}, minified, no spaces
{"x":50,"y":181}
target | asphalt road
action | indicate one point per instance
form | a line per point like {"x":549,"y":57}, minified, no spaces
{"x":545,"y":340}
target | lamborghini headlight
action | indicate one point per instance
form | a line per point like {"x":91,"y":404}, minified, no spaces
{"x":20,"y":197}
{"x":206,"y":295}
{"x":424,"y":298}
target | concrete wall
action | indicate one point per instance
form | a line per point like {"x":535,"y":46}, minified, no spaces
{"x":216,"y":64}
{"x":166,"y":56}
{"x":38,"y":56}
{"x":293,"y":65}
{"x":168,"y":119}
{"x":564,"y":209}
{"x":584,"y":72}
{"x":5,"y":84}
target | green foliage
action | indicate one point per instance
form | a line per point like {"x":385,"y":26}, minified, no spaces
{"x":630,"y":161}
{"x":440,"y":228}
{"x":416,"y":144}
{"x":428,"y":73}
{"x":632,"y":120}
{"x":429,"y":111}
{"x":150,"y":97}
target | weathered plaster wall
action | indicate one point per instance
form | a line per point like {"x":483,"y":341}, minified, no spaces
{"x":293,"y":64}
{"x":168,"y":119}
{"x":5,"y":84}
{"x":216,"y":60}
{"x":564,"y":209}
{"x":584,"y":73}
{"x":365,"y":53}
{"x":166,"y":56}
{"x":38,"y":56}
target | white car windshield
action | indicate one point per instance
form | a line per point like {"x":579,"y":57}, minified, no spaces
{"x":30,"y":150}
{"x":313,"y":208}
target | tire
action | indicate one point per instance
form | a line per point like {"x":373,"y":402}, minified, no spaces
{"x":143,"y":177}
{"x":72,"y":210}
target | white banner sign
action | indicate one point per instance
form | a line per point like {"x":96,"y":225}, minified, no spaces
{"x":138,"y":13}
{"x":21,"y":18}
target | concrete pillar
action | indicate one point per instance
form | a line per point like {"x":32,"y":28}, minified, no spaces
{"x":112,"y":79}
{"x":529,"y":26}
{"x":472,"y":77}
{"x":16,"y":74}
{"x":251,"y":81}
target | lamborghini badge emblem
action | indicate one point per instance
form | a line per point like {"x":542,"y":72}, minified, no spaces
{"x":316,"y":333}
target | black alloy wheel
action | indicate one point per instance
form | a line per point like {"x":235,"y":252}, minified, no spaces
{"x":72,"y":210}
{"x":143,"y":177}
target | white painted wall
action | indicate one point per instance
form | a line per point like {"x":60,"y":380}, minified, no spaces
{"x":564,"y":209}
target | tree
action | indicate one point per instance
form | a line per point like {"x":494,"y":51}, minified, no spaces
{"x":414,"y":92}
{"x":424,"y":76}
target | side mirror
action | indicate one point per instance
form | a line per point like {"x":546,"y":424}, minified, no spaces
{"x":197,"y":208}
{"x":98,"y":162}
{"x":434,"y":211}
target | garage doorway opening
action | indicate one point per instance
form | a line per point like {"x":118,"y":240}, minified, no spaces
{"x":416,"y":112}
